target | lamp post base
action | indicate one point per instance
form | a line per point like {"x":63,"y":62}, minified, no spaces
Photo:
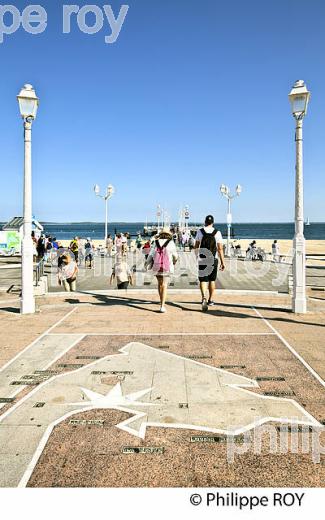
{"x":299,"y":306}
{"x":228,"y":252}
{"x":27,"y":306}
{"x":299,"y":300}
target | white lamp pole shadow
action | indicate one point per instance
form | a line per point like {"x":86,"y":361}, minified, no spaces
{"x":299,"y":98}
{"x":28,"y":105}
{"x":225,"y":191}
{"x":110,"y":190}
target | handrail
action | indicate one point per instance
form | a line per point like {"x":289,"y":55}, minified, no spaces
{"x":39,"y":271}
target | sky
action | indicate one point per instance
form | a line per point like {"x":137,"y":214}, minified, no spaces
{"x":192,"y":94}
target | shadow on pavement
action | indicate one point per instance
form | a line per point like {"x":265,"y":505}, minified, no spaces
{"x":115,"y":300}
{"x":215,"y":311}
{"x":14,"y":310}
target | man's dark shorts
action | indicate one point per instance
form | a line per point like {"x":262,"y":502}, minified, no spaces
{"x":208,"y":273}
{"x":123,"y":285}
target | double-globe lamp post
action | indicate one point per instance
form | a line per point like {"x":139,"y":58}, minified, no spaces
{"x":110,"y":190}
{"x":158,"y":217}
{"x":225,"y":191}
{"x":28,"y":105}
{"x":299,"y":98}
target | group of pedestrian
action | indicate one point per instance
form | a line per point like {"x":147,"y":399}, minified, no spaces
{"x":160,"y":256}
{"x":44,"y":246}
{"x":208,"y":245}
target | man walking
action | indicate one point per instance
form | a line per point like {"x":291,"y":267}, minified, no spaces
{"x":276,"y":251}
{"x":208,"y":247}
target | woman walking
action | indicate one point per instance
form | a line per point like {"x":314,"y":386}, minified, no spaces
{"x":121,"y":272}
{"x":67,"y":272}
{"x":162,"y":259}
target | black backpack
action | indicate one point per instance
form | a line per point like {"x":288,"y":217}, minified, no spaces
{"x":208,"y":241}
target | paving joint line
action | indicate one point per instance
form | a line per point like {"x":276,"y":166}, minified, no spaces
{"x":292,"y":350}
{"x":164,"y":334}
{"x":47,"y":332}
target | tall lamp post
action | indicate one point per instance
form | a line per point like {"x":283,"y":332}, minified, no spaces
{"x":299,"y":98}
{"x":28,"y":105}
{"x":110,"y":190}
{"x":186,"y":216}
{"x":158,"y":217}
{"x":225,"y":191}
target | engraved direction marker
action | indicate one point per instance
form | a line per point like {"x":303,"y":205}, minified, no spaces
{"x":280,"y":394}
{"x":183,"y":405}
{"x":89,"y":357}
{"x":230,"y":367}
{"x":7,"y":399}
{"x":214,"y":439}
{"x":270,"y":378}
{"x":112,"y":372}
{"x":199,"y":356}
{"x":120,"y":373}
{"x":35,"y":377}
{"x":148,"y":450}
{"x":87,"y":422}
{"x":46,"y":372}
{"x":70,"y":365}
{"x":39,"y":405}
{"x":294,"y":428}
{"x":25,"y":383}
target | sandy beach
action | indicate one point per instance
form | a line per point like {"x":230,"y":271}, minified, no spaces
{"x":313,"y":247}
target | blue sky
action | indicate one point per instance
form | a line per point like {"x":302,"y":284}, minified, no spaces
{"x":193,"y":94}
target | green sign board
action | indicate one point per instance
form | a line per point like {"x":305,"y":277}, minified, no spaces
{"x":10,"y":240}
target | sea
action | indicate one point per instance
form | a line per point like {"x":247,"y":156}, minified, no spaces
{"x":96,"y":231}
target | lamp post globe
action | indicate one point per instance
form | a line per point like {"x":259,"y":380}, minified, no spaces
{"x":110,"y":190}
{"x":299,"y":98}
{"x":28,"y":102}
{"x":28,"y":105}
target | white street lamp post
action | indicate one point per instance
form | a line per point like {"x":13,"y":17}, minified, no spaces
{"x":28,"y":105}
{"x":299,"y":98}
{"x":158,"y":217}
{"x":163,"y":217}
{"x":186,"y":216}
{"x":225,"y":191}
{"x":110,"y":190}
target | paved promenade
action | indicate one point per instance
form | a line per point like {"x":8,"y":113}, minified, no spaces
{"x":239,"y":275}
{"x":102,"y":390}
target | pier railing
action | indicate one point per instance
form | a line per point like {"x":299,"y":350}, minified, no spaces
{"x":39,"y":271}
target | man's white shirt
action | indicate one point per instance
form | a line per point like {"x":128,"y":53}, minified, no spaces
{"x":209,"y":229}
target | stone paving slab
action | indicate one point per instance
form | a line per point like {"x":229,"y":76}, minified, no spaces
{"x":186,"y":379}
{"x":88,"y":449}
{"x":113,"y":315}
{"x":39,"y":356}
{"x":18,"y":331}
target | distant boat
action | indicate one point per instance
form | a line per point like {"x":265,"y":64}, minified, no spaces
{"x":308,"y":222}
